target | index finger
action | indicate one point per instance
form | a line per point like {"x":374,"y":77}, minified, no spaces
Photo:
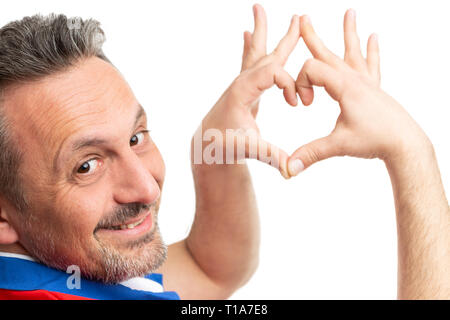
{"x":315,"y":45}
{"x":289,"y":41}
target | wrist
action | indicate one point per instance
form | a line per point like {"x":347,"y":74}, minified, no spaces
{"x":406,"y":140}
{"x":413,"y":149}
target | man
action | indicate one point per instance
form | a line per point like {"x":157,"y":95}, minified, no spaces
{"x":81,"y":179}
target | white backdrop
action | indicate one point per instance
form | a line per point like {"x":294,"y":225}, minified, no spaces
{"x":330,"y":232}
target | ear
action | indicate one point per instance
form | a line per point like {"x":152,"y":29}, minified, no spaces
{"x":8,"y":234}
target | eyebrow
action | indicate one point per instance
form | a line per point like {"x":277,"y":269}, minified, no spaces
{"x":92,"y":142}
{"x":85,"y":142}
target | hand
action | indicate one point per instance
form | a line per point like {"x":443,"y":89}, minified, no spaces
{"x":255,"y":45}
{"x":371,"y":123}
{"x":238,"y":106}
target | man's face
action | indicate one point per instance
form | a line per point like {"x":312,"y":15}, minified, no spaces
{"x":90,"y":172}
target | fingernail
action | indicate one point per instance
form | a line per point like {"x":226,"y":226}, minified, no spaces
{"x":307,"y":19}
{"x":295,"y":167}
{"x":293,"y":18}
{"x":375,"y":37}
{"x":351,"y":14}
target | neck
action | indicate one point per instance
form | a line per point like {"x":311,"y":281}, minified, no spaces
{"x":14,"y":248}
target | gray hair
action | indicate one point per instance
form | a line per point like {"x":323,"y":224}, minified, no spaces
{"x":31,"y":49}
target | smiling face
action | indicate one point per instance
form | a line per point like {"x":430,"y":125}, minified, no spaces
{"x":91,"y":173}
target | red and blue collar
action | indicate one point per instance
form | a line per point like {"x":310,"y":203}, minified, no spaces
{"x":21,"y":277}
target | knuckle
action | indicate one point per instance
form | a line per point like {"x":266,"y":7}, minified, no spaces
{"x":352,"y":55}
{"x":276,"y":56}
{"x":272,"y":57}
{"x":271,"y":67}
{"x":307,"y":66}
{"x":309,"y":63}
{"x":275,"y":53}
{"x":237,"y":84}
{"x":252,"y":56}
{"x":311,"y":154}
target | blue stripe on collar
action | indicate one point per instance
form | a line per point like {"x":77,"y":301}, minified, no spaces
{"x":20,"y":273}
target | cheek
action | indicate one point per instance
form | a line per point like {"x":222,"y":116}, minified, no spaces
{"x":66,"y":226}
{"x":81,"y":211}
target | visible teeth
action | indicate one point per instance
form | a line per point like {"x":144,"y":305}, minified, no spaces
{"x":129,"y":226}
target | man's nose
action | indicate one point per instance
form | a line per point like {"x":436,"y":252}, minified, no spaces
{"x":135,"y":182}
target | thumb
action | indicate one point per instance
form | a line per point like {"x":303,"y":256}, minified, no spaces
{"x":247,"y":143}
{"x":258,"y":148}
{"x":272,"y":155}
{"x":311,"y":153}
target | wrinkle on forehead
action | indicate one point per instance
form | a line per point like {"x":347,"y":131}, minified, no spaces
{"x":47,"y":112}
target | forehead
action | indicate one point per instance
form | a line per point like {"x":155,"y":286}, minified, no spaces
{"x":90,"y":97}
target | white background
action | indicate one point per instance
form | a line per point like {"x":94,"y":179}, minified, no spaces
{"x":329,"y":233}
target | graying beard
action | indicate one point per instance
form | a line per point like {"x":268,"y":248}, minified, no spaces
{"x":118,"y":268}
{"x":113,"y":268}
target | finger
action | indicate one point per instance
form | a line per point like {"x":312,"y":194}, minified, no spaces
{"x":247,"y":43}
{"x":245,"y":55}
{"x":258,"y":44}
{"x":313,"y":152}
{"x":289,"y":41}
{"x":373,"y":57}
{"x":273,"y":156}
{"x":284,"y":81}
{"x":257,"y":148}
{"x":353,"y":55}
{"x":318,"y":73}
{"x":264,"y":78}
{"x":315,"y":45}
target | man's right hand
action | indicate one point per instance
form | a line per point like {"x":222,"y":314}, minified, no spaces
{"x":371,"y":124}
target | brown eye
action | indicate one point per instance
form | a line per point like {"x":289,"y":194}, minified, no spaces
{"x":136,"y":139}
{"x":88,"y":166}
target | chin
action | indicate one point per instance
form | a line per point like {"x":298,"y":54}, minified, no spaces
{"x":135,"y":259}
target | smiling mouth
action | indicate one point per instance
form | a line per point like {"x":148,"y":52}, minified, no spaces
{"x":130,"y":224}
{"x":127,"y":226}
